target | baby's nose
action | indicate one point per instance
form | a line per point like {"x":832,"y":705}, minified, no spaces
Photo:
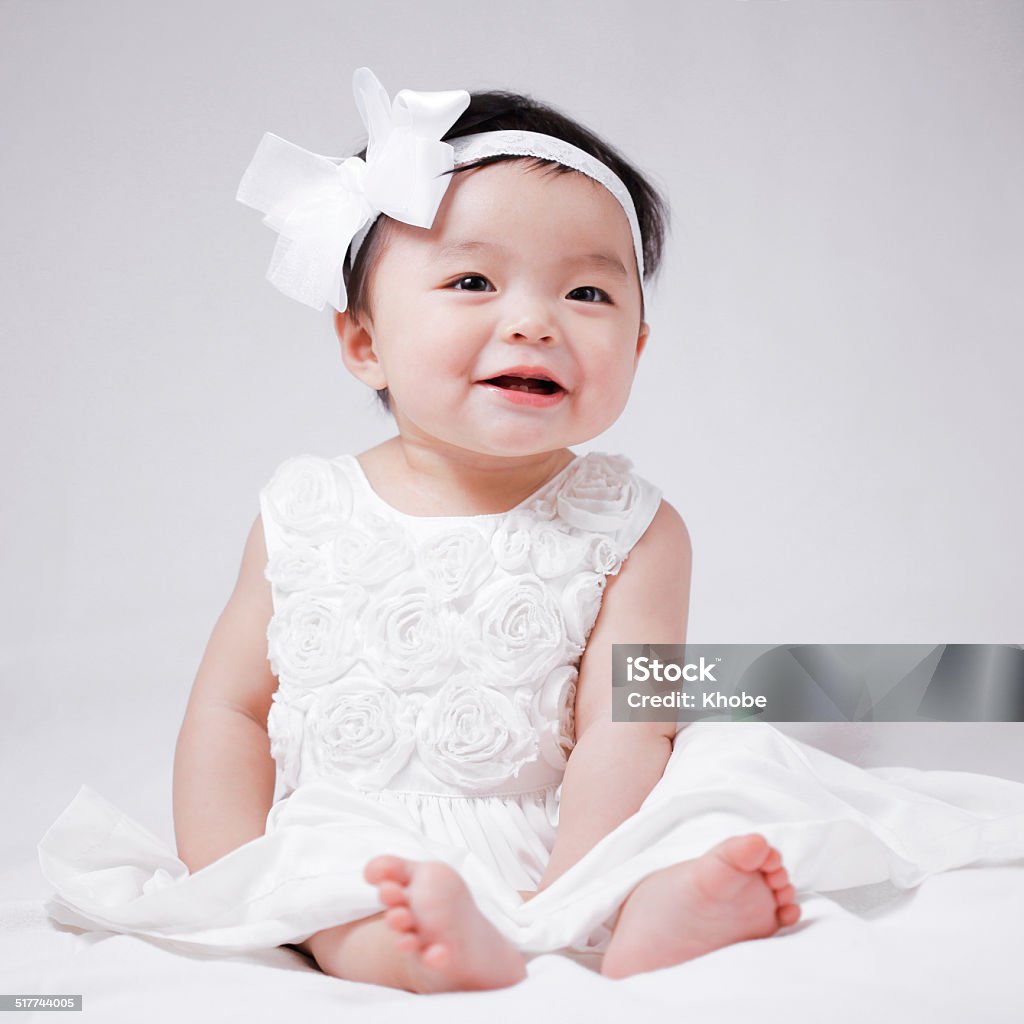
{"x":529,"y":326}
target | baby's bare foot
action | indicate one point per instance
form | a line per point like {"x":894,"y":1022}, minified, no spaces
{"x":736,"y":891}
{"x":434,"y":917}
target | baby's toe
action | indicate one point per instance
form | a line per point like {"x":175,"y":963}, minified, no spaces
{"x":789,"y":914}
{"x":777,"y":879}
{"x":785,"y":895}
{"x":400,"y":919}
{"x":773,"y":861}
{"x":392,"y":894}
{"x":746,"y":853}
{"x":436,"y":955}
{"x":387,"y":866}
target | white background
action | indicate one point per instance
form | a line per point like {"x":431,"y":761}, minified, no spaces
{"x":830,"y":395}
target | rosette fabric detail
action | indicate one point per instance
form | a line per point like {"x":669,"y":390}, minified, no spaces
{"x":436,"y":656}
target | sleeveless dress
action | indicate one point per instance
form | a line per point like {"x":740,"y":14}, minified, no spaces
{"x":427,"y":668}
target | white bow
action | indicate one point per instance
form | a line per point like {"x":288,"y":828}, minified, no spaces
{"x":317,"y":204}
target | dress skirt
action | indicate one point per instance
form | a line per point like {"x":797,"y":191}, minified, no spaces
{"x":836,"y":825}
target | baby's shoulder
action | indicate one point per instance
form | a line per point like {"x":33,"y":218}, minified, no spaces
{"x":667,"y":538}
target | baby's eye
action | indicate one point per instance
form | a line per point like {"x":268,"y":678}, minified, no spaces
{"x":601,"y":296}
{"x":591,"y":288}
{"x":469,"y":277}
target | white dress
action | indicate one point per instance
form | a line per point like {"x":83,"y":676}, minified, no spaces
{"x":427,"y":670}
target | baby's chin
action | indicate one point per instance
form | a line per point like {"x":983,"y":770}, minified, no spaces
{"x":511,"y":453}
{"x":482,"y":425}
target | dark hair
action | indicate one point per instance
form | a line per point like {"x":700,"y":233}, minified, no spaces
{"x":504,"y":111}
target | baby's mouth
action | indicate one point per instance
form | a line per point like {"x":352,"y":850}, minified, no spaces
{"x":532,"y":385}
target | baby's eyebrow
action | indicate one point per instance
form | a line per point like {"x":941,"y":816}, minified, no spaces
{"x":600,"y":260}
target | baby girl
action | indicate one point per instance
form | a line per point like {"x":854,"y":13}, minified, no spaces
{"x":420,"y":638}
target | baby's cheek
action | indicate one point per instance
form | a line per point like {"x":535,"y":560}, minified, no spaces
{"x":612,"y":391}
{"x":417,"y":373}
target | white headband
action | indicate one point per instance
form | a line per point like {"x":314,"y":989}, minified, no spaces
{"x":320,"y":205}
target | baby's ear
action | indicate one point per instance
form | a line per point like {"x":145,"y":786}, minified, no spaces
{"x":357,"y":350}
{"x":641,"y":340}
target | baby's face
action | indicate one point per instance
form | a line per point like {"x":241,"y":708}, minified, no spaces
{"x":503,"y":280}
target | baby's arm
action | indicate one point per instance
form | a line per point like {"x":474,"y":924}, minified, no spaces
{"x":614,"y":765}
{"x":223,"y":771}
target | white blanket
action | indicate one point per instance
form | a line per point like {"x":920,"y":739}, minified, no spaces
{"x":944,"y":951}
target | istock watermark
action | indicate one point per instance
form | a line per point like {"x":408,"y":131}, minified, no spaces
{"x":818,"y":682}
